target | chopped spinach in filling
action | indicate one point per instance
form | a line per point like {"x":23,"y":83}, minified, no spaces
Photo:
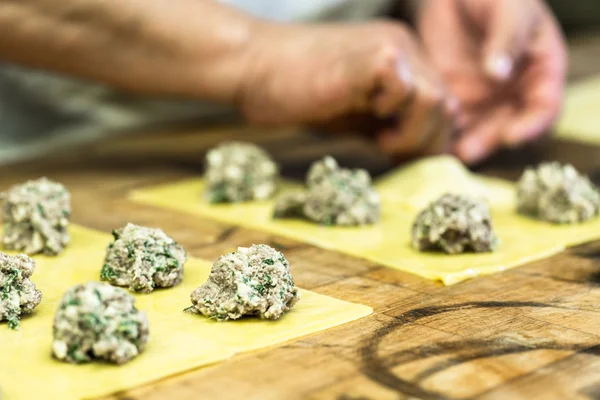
{"x":454,"y":224}
{"x":18,"y":295}
{"x":252,"y":281}
{"x":334,"y":196}
{"x":143,"y":259}
{"x":557,"y":193}
{"x":97,"y":321}
{"x":237,"y":172}
{"x":36,"y":217}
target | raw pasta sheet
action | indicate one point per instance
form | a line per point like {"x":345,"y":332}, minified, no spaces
{"x":404,"y":193}
{"x":580,"y":119}
{"x":178,"y":341}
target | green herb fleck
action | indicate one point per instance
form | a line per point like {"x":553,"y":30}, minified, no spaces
{"x":269,"y":261}
{"x":217,"y":194}
{"x":130,"y":250}
{"x":13,"y":322}
{"x":172,"y":263}
{"x":128,"y":327}
{"x":260,"y":289}
{"x":268,"y":280}
{"x":107,"y":273}
{"x":74,"y":302}
{"x":10,"y":282}
{"x":91,"y":321}
{"x":75,"y":355}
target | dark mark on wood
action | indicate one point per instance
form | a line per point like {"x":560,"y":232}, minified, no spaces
{"x":352,"y":397}
{"x":591,"y":279}
{"x":284,"y":247}
{"x":489,"y":350}
{"x":591,"y":391}
{"x":226,"y":234}
{"x":221,"y":237}
{"x":379,"y":369}
{"x":122,"y":396}
{"x":587,"y":252}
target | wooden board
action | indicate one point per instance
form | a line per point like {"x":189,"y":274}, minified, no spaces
{"x":528,"y":333}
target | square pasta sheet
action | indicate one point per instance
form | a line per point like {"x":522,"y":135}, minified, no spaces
{"x":580,"y":119}
{"x":404,"y":193}
{"x":178,"y":341}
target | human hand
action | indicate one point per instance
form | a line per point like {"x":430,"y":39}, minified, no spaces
{"x":505,"y":60}
{"x":371,"y":78}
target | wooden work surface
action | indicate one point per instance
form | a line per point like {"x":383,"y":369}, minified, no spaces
{"x":529,"y":333}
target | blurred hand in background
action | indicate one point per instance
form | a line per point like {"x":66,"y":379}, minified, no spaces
{"x":373,"y":78}
{"x":505,"y":60}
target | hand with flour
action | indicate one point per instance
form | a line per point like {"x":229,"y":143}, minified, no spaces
{"x":504,"y":60}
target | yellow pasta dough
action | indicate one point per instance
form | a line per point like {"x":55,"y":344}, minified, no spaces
{"x":404,"y":193}
{"x":178,"y":341}
{"x":580,"y":119}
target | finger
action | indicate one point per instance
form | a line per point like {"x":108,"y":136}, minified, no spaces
{"x":395,"y":85}
{"x":457,"y":59}
{"x":544,"y":87}
{"x":443,"y":135}
{"x":484,"y":138}
{"x":416,"y":125}
{"x":541,"y":107}
{"x":511,"y":28}
{"x":470,"y":117}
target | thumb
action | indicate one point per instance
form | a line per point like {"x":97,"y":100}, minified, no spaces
{"x":512,"y":25}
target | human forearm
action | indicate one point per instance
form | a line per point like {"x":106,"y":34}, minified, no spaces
{"x":191,"y":48}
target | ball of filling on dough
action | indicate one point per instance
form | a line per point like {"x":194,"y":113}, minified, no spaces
{"x":36,"y":217}
{"x":237,"y":172}
{"x":142,"y":259}
{"x":454,"y":224}
{"x":18,"y":294}
{"x":557,"y":193}
{"x":334,"y":196}
{"x":290,"y":205}
{"x":253,"y":280}
{"x":97,"y":321}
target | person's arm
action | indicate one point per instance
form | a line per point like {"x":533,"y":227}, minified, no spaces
{"x":190,"y":48}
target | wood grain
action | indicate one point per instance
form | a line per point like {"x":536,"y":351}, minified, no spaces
{"x":528,"y":333}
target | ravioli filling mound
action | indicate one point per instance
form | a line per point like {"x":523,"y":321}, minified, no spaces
{"x":97,"y":321}
{"x":557,"y":193}
{"x":252,"y":281}
{"x":36,"y":217}
{"x":143,"y":259}
{"x":334,"y":196}
{"x":239,"y":172}
{"x":18,"y":295}
{"x":454,"y":224}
